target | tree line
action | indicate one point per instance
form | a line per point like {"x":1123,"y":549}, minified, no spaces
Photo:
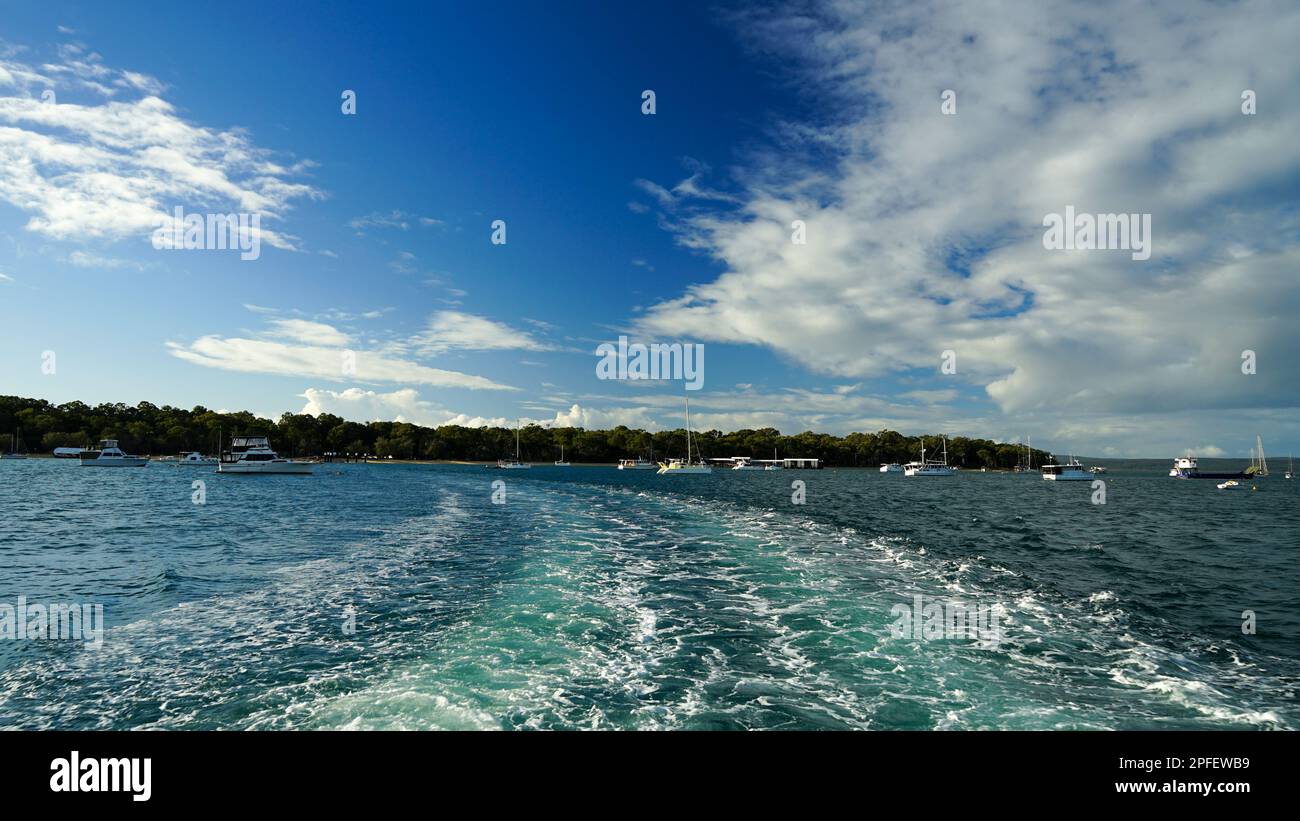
{"x":146,"y":428}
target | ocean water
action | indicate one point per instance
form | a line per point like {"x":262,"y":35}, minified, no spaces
{"x":402,"y":596}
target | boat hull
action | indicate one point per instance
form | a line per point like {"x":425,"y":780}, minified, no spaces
{"x":267,"y":468}
{"x":1067,"y":477}
{"x":132,"y":462}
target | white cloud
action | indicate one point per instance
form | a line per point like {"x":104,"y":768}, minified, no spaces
{"x":309,"y":333}
{"x":110,"y":157}
{"x":395,"y":219}
{"x":268,"y":357}
{"x":453,"y":330}
{"x":924,"y":230}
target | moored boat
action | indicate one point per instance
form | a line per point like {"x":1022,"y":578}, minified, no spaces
{"x":515,"y":463}
{"x":679,"y":467}
{"x":1185,"y":467}
{"x":191,"y":459}
{"x":1070,"y":471}
{"x":109,"y":455}
{"x":930,"y":467}
{"x":253,"y":455}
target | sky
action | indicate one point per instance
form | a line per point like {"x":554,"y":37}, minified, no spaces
{"x":844,"y":203}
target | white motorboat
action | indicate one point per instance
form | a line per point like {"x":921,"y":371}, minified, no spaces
{"x":892,"y":467}
{"x":679,"y":467}
{"x":1229,"y":485}
{"x":191,"y":459}
{"x":513,"y":464}
{"x":109,"y":455}
{"x":1071,"y":471}
{"x":637,"y":464}
{"x":930,"y":467}
{"x":743,"y":463}
{"x":253,"y":454}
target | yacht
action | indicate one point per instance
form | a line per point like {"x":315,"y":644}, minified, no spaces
{"x":192,"y":459}
{"x":929,"y":467}
{"x":744,"y":463}
{"x":560,"y":463}
{"x":1290,"y":468}
{"x":1071,"y":471}
{"x":892,"y":467}
{"x":109,"y":455}
{"x":636,"y":464}
{"x":253,"y":454}
{"x":680,"y":467}
{"x":13,"y":447}
{"x":513,"y":464}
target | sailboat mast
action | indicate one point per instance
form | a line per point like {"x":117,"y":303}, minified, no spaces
{"x":516,"y":440}
{"x":688,"y":431}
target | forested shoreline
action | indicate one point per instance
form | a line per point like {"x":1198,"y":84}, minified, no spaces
{"x":146,"y":428}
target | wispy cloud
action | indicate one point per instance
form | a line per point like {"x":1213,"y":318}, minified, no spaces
{"x":395,"y":219}
{"x":311,"y":349}
{"x":454,"y":330}
{"x":107,"y":157}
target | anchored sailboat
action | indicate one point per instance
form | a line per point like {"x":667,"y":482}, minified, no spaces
{"x":677,"y":466}
{"x":560,"y":463}
{"x":513,"y":464}
{"x":13,"y":447}
{"x":1258,"y":464}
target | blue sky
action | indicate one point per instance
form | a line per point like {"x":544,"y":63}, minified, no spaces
{"x":923,"y":228}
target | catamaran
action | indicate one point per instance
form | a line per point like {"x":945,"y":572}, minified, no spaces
{"x":109,"y":455}
{"x":678,"y":466}
{"x":514,"y":464}
{"x":1071,"y":471}
{"x":253,"y":454}
{"x":560,"y":463}
{"x":930,"y":467}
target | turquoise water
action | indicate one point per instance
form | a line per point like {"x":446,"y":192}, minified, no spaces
{"x":594,"y":598}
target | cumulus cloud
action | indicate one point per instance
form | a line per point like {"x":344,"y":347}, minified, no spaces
{"x":924,"y":231}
